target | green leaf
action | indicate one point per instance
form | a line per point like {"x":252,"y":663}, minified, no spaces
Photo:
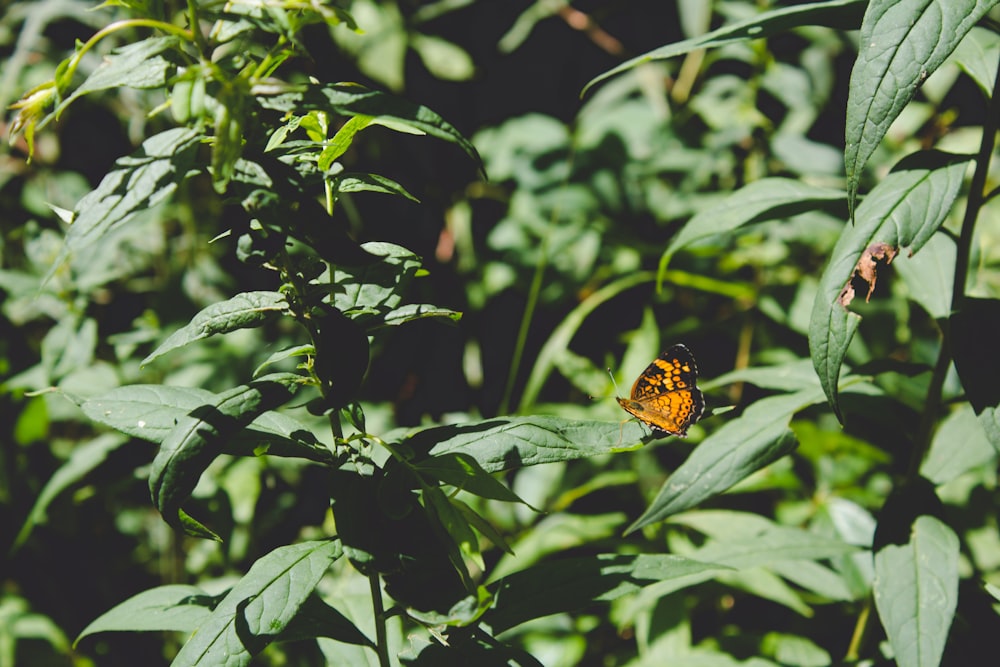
{"x":975,"y":328}
{"x":84,"y":458}
{"x":905,"y":209}
{"x":138,"y":182}
{"x":464,"y":472}
{"x":174,"y":607}
{"x":152,"y":411}
{"x":378,"y":287}
{"x":573,"y":583}
{"x":766,"y":199}
{"x":902,"y":42}
{"x":916,"y":592}
{"x":137,"y":65}
{"x":843,"y":14}
{"x":508,"y":443}
{"x":929,"y":275}
{"x":341,"y":141}
{"x":350,"y":99}
{"x":977,"y":55}
{"x":356,"y":182}
{"x":243,"y":311}
{"x":200,"y":436}
{"x":743,"y":540}
{"x":419,"y":311}
{"x":959,"y":445}
{"x":744,"y":445}
{"x":260,"y":605}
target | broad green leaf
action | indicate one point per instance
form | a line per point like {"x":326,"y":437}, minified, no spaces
{"x":357,"y":182}
{"x":960,"y":444}
{"x":514,"y":442}
{"x":341,"y":141}
{"x":766,"y":199}
{"x":173,"y":607}
{"x":742,"y":540}
{"x":243,"y":311}
{"x":201,"y":435}
{"x":139,"y":181}
{"x":378,"y":287}
{"x":557,"y":533}
{"x":916,"y":592}
{"x":260,"y":606}
{"x":152,"y":411}
{"x":902,"y":43}
{"x":419,"y":311}
{"x":904,"y":210}
{"x":137,"y":65}
{"x":742,"y":446}
{"x":443,"y":59}
{"x":350,"y":99}
{"x":843,"y":14}
{"x":84,"y":458}
{"x":464,"y":472}
{"x":978,"y":55}
{"x":787,"y":377}
{"x":573,"y":583}
{"x":929,"y":275}
{"x":765,"y":584}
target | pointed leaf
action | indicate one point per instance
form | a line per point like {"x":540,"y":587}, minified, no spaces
{"x":916,"y":592}
{"x":200,"y":436}
{"x":757,"y":438}
{"x":843,"y":14}
{"x":904,"y":210}
{"x":902,"y":43}
{"x":572,"y":583}
{"x":766,"y":199}
{"x":173,"y":607}
{"x":260,"y":606}
{"x":243,"y":311}
{"x":138,"y":182}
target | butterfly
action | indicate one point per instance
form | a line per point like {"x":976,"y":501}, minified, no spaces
{"x":665,"y":396}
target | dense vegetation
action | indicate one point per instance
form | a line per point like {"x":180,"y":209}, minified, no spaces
{"x":308,"y":310}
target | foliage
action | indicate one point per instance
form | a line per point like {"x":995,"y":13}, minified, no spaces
{"x":339,"y":477}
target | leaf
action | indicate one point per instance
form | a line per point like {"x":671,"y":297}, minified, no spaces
{"x":977,"y":55}
{"x":464,"y":472}
{"x":243,"y":311}
{"x":904,"y":209}
{"x":742,"y":446}
{"x":843,"y":14}
{"x":959,"y":445}
{"x":173,"y":607}
{"x":138,"y":182}
{"x":200,"y":436}
{"x":509,"y":443}
{"x":350,"y":99}
{"x":916,"y":592}
{"x":419,"y":311}
{"x":902,"y":42}
{"x":137,"y":65}
{"x":929,"y":275}
{"x":766,"y":199}
{"x":572,"y":583}
{"x":358,"y":182}
{"x":376,"y":287}
{"x":975,"y":329}
{"x":260,"y":605}
{"x":151,"y":411}
{"x":84,"y":458}
{"x":341,"y":141}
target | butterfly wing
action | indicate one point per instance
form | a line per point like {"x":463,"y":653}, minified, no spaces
{"x":665,"y":396}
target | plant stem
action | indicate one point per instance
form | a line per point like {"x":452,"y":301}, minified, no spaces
{"x":976,"y":196}
{"x":381,"y":644}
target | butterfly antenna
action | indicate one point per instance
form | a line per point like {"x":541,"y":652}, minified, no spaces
{"x":612,"y":375}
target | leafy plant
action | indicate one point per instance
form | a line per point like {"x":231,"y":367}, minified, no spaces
{"x":499,"y":540}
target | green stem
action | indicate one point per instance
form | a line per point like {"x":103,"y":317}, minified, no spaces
{"x":381,"y":643}
{"x":977,"y":196}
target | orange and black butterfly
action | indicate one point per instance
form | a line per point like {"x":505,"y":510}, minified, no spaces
{"x":665,"y":396}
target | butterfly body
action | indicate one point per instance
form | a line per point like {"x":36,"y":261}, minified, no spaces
{"x":665,"y":396}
